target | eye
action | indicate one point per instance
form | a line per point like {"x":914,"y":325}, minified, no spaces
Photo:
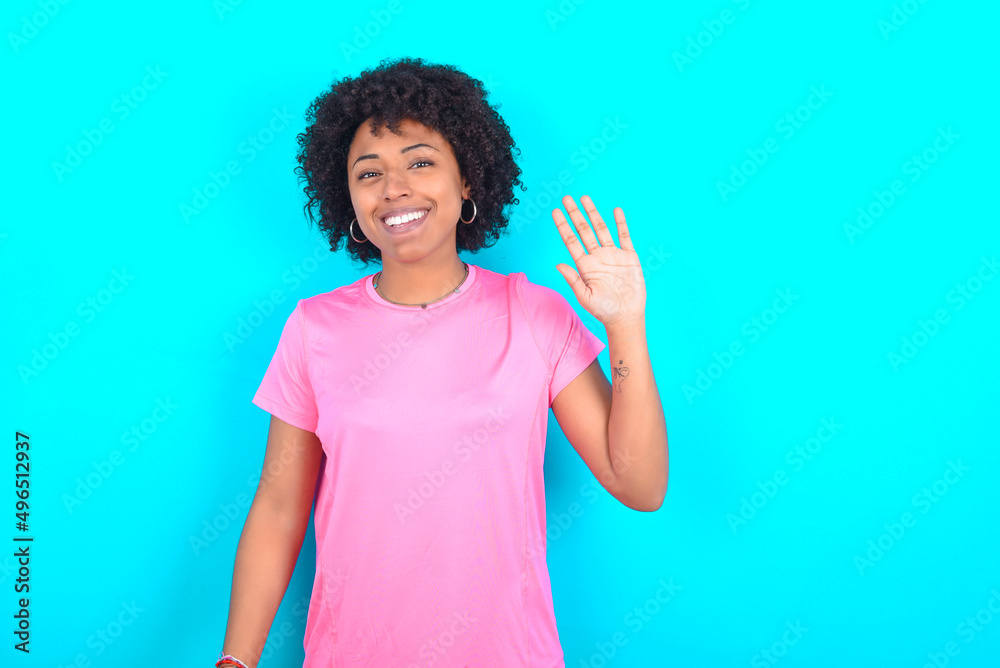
{"x":362,"y":175}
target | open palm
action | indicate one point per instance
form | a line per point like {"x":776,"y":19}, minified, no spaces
{"x":607,"y":280}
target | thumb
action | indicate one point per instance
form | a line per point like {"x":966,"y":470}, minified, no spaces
{"x":576,"y":283}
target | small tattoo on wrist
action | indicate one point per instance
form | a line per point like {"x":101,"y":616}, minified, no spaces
{"x":618,"y":374}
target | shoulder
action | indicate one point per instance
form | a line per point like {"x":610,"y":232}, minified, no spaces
{"x":345,"y":294}
{"x":540,"y":301}
{"x":345,"y":297}
{"x":544,"y":308}
{"x":312,"y":317}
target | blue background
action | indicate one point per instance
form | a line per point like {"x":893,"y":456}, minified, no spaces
{"x":645,"y":106}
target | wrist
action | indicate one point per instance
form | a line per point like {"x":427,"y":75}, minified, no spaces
{"x":225,"y":660}
{"x":629,"y":323}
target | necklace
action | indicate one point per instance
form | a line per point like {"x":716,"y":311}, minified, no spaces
{"x":424,"y":305}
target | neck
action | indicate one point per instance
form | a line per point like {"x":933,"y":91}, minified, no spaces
{"x":412,"y":283}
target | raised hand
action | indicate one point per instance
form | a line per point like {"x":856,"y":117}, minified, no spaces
{"x":607,"y":280}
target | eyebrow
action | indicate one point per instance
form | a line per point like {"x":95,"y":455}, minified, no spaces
{"x":373,"y":156}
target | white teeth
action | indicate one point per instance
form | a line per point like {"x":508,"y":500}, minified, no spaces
{"x":399,"y":220}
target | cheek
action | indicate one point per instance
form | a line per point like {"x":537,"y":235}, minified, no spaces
{"x":449,"y":194}
{"x":361,"y":201}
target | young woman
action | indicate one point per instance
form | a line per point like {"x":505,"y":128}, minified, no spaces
{"x":411,"y":405}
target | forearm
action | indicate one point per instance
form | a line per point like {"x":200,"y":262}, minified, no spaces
{"x":637,"y":430}
{"x":265,"y":560}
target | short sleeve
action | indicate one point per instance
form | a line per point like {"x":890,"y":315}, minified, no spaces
{"x":567,"y":346}
{"x":285,"y":391}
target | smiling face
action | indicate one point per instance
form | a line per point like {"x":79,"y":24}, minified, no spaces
{"x":406,"y":190}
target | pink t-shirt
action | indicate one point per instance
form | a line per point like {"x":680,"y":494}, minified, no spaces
{"x":430,"y":507}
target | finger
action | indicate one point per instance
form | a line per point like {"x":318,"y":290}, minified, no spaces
{"x":576,"y":251}
{"x":603,"y":233}
{"x":581,"y":224}
{"x":624,"y":238}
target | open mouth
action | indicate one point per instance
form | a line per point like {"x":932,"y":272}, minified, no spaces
{"x":404,"y":221}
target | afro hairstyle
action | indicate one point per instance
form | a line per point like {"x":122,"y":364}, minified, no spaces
{"x":438,"y":96}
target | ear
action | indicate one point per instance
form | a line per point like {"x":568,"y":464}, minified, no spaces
{"x":466,"y":188}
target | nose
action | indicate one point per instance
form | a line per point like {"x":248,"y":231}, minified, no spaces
{"x":395,"y":183}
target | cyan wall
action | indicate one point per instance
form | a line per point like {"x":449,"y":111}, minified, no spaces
{"x":811,"y":188}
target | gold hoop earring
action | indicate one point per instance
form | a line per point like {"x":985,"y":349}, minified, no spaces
{"x":351,"y":230}
{"x":474,"y":211}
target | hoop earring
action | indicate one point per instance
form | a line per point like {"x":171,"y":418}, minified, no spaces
{"x":474,"y":211}
{"x":351,"y":230}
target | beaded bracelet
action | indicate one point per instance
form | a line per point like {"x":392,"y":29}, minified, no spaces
{"x":232,"y":660}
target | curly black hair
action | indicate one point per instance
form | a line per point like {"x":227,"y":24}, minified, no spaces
{"x":438,"y":96}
